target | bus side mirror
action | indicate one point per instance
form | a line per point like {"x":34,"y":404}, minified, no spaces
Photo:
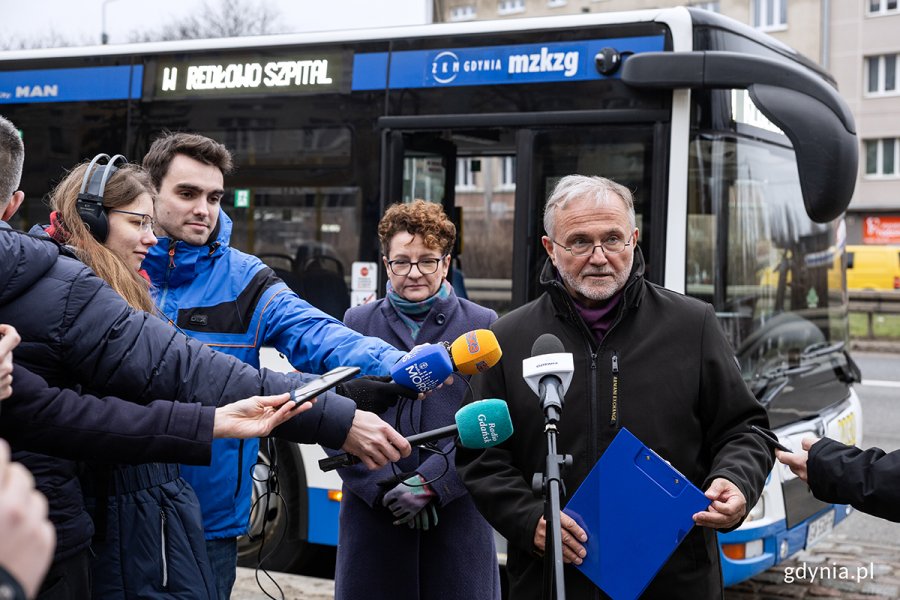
{"x":827,"y":154}
{"x":809,"y":111}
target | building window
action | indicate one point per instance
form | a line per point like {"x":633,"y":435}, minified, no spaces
{"x":881,"y":74}
{"x":882,"y":157}
{"x":769,"y":15}
{"x":883,"y":7}
{"x":510,"y":7}
{"x":710,"y":6}
{"x":463,"y":13}
{"x":506,"y":180}
{"x":466,"y":172}
{"x":556,"y":3}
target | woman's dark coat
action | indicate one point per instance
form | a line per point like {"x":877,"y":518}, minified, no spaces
{"x":377,"y":559}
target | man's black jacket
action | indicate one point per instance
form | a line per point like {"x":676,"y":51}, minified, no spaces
{"x":677,"y":387}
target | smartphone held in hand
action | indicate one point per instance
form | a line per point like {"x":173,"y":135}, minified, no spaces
{"x":322,"y":383}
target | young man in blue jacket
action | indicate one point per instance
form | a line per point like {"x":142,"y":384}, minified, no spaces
{"x":234,"y":303}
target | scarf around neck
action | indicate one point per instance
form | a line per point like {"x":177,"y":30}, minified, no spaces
{"x":413,"y":313}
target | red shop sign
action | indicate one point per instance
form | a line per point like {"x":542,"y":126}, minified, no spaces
{"x":881,"y":230}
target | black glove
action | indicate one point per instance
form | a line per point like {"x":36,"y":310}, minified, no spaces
{"x":374,"y":394}
{"x":412,"y":503}
{"x":388,"y":483}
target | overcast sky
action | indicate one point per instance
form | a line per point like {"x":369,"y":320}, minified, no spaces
{"x":80,"y":20}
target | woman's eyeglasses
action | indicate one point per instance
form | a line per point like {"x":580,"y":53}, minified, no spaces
{"x":426,"y":266}
{"x":147,"y":222}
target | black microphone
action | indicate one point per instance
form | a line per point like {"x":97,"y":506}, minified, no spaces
{"x":481,"y":424}
{"x":548,"y":373}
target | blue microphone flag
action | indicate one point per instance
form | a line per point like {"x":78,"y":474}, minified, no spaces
{"x":424,"y":368}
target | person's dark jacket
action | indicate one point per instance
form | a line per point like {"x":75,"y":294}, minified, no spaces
{"x":664,"y":371}
{"x":77,"y":331}
{"x":868,"y":480}
{"x":455,"y":559}
{"x":64,"y":423}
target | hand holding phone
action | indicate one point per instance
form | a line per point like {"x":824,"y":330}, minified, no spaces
{"x":322,"y":383}
{"x":770,"y":439}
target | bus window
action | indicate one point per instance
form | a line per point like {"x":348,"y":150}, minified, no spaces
{"x":754,"y":254}
{"x":297,"y":223}
{"x":485,"y":193}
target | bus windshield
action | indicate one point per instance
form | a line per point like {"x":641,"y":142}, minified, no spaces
{"x":774,"y":276}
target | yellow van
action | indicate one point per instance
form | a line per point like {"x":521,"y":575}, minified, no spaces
{"x":871,"y":267}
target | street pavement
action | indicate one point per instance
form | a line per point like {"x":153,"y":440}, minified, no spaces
{"x":839,"y":566}
{"x":293,"y":587}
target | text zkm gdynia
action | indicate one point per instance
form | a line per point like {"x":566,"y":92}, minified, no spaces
{"x":251,"y":75}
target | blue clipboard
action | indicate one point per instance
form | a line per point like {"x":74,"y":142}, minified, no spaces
{"x":636,"y":509}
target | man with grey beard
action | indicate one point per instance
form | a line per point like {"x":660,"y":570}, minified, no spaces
{"x":646,"y":358}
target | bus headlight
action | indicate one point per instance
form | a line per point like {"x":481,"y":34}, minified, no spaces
{"x":744,"y":550}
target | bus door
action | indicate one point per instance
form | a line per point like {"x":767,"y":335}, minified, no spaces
{"x":496,"y":190}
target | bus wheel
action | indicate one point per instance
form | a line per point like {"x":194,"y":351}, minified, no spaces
{"x":277,"y":529}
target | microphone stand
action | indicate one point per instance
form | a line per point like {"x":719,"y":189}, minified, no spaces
{"x":550,"y":485}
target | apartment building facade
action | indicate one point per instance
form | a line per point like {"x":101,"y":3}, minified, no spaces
{"x":857,"y":41}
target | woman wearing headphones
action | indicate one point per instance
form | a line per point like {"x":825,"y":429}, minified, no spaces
{"x":113,"y":242}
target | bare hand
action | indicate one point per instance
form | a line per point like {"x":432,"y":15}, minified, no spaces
{"x":257,"y":416}
{"x":9,"y":339}
{"x":728,"y":506}
{"x":28,"y":539}
{"x":797,"y":460}
{"x":374,"y":442}
{"x":572,"y":538}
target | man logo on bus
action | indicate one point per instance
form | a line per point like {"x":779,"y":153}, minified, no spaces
{"x":445,"y":67}
{"x":472,"y":342}
{"x":37,"y":91}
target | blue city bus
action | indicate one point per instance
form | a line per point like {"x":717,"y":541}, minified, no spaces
{"x":741,"y":154}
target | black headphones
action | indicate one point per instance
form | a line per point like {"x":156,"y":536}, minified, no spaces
{"x":90,"y":199}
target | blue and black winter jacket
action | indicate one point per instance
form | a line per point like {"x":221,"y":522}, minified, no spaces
{"x":232,"y":302}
